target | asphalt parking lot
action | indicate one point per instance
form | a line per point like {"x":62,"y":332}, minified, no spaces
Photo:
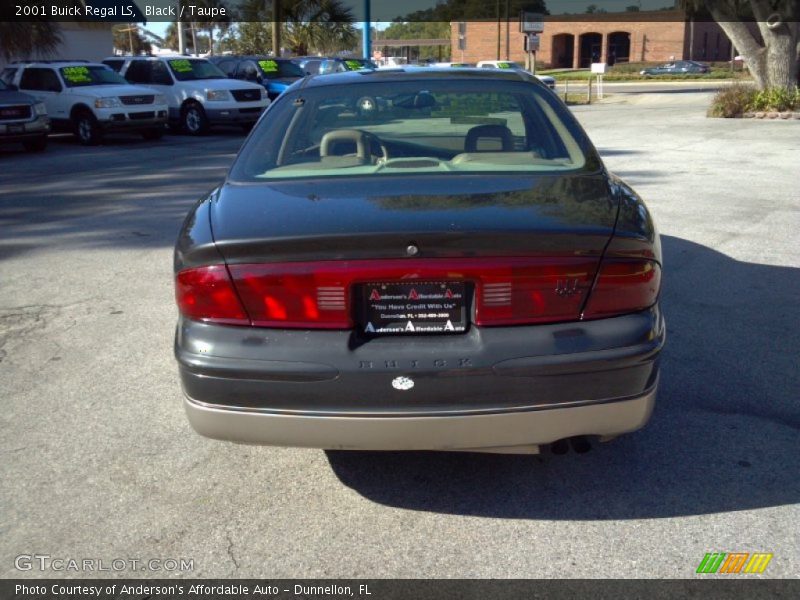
{"x":98,"y":460}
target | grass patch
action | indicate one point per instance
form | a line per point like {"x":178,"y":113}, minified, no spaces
{"x":630,"y":72}
{"x":572,"y":99}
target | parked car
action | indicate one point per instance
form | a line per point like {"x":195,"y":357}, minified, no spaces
{"x":275,"y":74}
{"x":454,"y":65}
{"x":511,"y":65}
{"x":198,"y":93}
{"x":23,"y":119}
{"x":316,"y":65}
{"x":90,"y":99}
{"x":678,"y":67}
{"x":456,"y":271}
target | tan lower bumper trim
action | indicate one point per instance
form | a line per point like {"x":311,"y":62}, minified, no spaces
{"x":474,"y":432}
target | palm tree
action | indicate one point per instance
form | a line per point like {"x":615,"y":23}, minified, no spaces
{"x":320,"y":25}
{"x":23,"y":40}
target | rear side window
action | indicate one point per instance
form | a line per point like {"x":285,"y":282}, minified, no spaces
{"x":227,"y":66}
{"x":8,"y":74}
{"x":114,"y":63}
{"x":159,"y":74}
{"x":312,"y":67}
{"x":247,"y":70}
{"x":39,"y":79}
{"x":139,"y":71}
{"x":430,"y":126}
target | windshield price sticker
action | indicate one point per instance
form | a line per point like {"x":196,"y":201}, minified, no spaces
{"x":354,"y":65}
{"x":414,"y":307}
{"x":268,"y":66}
{"x":504,"y":65}
{"x":76,"y":74}
{"x":181,"y":66}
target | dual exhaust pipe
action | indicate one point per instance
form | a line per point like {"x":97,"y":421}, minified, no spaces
{"x":580,"y":444}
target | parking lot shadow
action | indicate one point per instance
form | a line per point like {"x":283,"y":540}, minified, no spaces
{"x":723,"y":437}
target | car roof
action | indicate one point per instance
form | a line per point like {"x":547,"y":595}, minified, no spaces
{"x":250,"y":57}
{"x":159,"y":57}
{"x":412,"y":73}
{"x":57,"y":63}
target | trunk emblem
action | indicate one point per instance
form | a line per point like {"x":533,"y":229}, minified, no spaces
{"x":402,"y":383}
{"x":412,"y":250}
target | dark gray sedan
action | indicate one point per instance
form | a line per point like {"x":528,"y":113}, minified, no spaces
{"x":450,"y":267}
{"x":678,"y":67}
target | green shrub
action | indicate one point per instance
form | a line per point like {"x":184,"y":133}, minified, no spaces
{"x":732,"y":101}
{"x":775,"y":99}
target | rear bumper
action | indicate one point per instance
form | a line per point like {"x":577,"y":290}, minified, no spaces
{"x":488,"y":388}
{"x":511,"y":431}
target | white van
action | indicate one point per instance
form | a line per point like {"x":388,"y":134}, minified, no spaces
{"x":198,"y":93}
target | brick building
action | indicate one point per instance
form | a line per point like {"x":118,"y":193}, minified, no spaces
{"x":574,"y":41}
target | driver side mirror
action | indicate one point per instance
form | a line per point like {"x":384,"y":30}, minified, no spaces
{"x":11,"y":87}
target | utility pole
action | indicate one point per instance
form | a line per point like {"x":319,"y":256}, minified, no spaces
{"x":276,"y":27}
{"x":179,"y":26}
{"x":508,"y":33}
{"x":366,"y":42}
{"x":498,"y":31}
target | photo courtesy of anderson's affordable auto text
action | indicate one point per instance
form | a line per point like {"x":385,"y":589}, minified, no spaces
{"x":430,"y":299}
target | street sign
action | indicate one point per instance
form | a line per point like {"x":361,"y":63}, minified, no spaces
{"x":599,"y":68}
{"x":532,"y":42}
{"x":531,"y":22}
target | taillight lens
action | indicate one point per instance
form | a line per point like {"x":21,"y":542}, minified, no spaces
{"x":207,"y":294}
{"x":623,"y":286}
{"x":296,"y":295}
{"x":508,"y":291}
{"x":525,"y":291}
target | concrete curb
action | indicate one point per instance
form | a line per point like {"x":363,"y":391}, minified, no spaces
{"x":771,"y":115}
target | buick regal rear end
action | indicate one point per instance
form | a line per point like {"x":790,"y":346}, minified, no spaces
{"x":418,"y":260}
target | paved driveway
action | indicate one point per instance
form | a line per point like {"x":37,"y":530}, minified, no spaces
{"x":98,"y":460}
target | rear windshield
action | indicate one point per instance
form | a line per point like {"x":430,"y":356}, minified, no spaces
{"x":92,"y":75}
{"x":186,"y":69}
{"x":430,"y":126}
{"x":274,"y":69}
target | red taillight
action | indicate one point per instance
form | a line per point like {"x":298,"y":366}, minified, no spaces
{"x":515,"y":291}
{"x":296,"y":295}
{"x":623,"y":286}
{"x":507,"y":290}
{"x":207,"y":294}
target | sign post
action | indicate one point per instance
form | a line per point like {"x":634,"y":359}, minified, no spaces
{"x":599,"y":69}
{"x":531,"y":24}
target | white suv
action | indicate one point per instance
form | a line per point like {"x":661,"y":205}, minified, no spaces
{"x":198,"y":93}
{"x":510,"y":64}
{"x":89,"y":98}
